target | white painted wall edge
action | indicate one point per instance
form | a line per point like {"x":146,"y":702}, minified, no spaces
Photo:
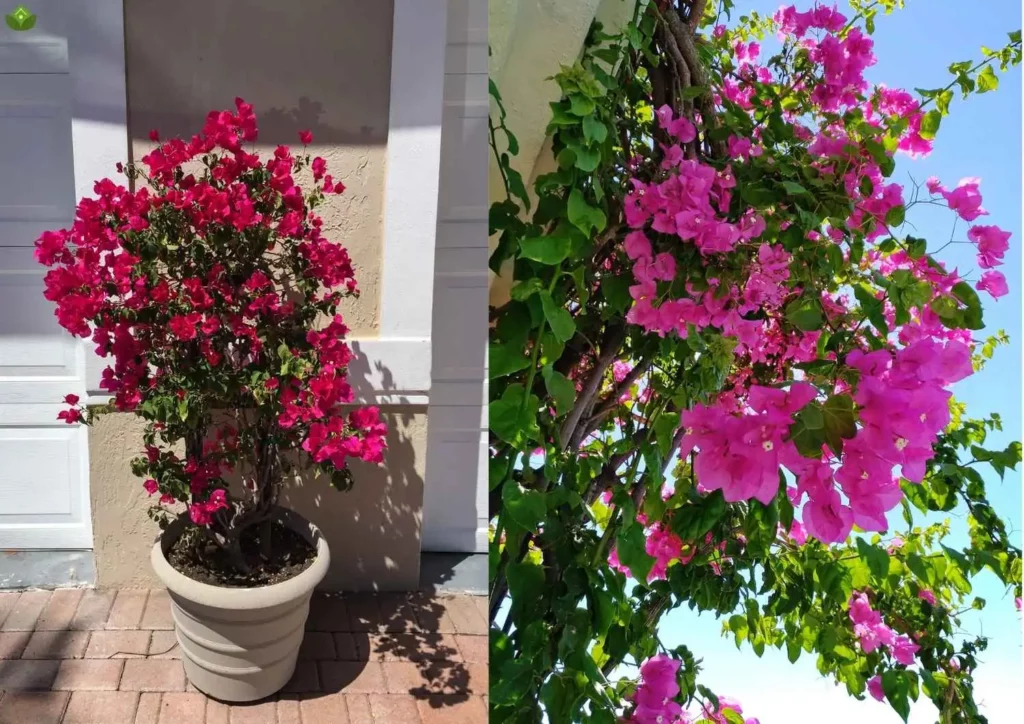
{"x":413,"y":164}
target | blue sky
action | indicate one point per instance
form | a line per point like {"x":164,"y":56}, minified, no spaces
{"x":981,"y":137}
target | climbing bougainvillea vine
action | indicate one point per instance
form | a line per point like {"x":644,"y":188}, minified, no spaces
{"x":724,"y":374}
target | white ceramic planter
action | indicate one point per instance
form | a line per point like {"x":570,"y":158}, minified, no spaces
{"x":241,"y":644}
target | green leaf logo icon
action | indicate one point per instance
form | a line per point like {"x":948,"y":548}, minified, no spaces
{"x":20,"y":19}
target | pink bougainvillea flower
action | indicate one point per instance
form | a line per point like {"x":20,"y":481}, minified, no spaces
{"x":904,"y":650}
{"x":992,"y":243}
{"x":306,"y":137}
{"x":827,"y":519}
{"x":70,"y":416}
{"x":965,"y":199}
{"x":994,"y":283}
{"x":659,"y":673}
{"x":875,"y":687}
{"x":926,"y":595}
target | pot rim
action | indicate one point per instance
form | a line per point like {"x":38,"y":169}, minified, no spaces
{"x":252,"y":598}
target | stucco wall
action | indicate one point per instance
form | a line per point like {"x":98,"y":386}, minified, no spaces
{"x":321,"y":65}
{"x":373,"y":530}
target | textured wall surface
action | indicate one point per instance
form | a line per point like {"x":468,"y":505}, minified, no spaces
{"x":321,"y":65}
{"x":373,"y":530}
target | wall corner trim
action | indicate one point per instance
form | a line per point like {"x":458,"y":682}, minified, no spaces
{"x":413,"y":166}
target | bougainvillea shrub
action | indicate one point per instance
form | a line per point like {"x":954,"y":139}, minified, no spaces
{"x":213,"y":289}
{"x":724,"y":376}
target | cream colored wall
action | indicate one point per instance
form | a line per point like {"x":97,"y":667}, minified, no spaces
{"x":318,"y":65}
{"x":321,"y":65}
{"x":373,"y":530}
{"x":529,"y":41}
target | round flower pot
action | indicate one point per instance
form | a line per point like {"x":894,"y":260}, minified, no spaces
{"x":241,"y":644}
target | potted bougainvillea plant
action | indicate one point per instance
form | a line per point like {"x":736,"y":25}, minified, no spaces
{"x":214,"y":290}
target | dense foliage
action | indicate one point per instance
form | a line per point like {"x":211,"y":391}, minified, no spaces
{"x":209,"y":285}
{"x":725,"y":368}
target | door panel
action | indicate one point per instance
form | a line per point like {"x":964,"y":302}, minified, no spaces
{"x":44,"y":501}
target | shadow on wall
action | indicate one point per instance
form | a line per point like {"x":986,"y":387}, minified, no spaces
{"x":188,"y":57}
{"x":325,"y":68}
{"x":373,"y":530}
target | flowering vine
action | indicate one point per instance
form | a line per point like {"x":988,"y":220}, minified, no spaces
{"x":725,"y":368}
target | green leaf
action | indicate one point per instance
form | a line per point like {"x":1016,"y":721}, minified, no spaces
{"x":664,"y":429}
{"x":972,"y":315}
{"x":808,"y":431}
{"x":559,"y":319}
{"x":594,"y":131}
{"x":505,"y":359}
{"x":616,"y":291}
{"x":526,"y":288}
{"x":987,"y":80}
{"x":581,"y":105}
{"x":631,"y":546}
{"x":804,"y":314}
{"x":546,"y":249}
{"x":896,"y":689}
{"x":515,"y":182}
{"x":845,"y":652}
{"x":793,"y":187}
{"x":560,"y":388}
{"x":584,"y":216}
{"x":895,"y":216}
{"x":930,"y":122}
{"x":559,"y":695}
{"x":526,"y":584}
{"x":587,"y":159}
{"x":875,"y":557}
{"x":528,"y":508}
{"x":840,"y":421}
{"x":872,"y":308}
{"x":514,"y":419}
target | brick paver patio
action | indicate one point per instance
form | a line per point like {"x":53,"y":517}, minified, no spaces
{"x":110,"y":657}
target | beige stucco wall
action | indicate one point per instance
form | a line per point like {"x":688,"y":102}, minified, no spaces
{"x":373,"y":530}
{"x":318,"y":65}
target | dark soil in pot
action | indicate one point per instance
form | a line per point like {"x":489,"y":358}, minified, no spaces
{"x":290,"y":555}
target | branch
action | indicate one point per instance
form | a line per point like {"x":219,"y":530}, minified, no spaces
{"x":608,"y":354}
{"x":684,"y":37}
{"x":612,"y":401}
{"x":693,"y":18}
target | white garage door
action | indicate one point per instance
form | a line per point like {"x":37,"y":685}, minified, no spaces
{"x":43,"y":462}
{"x":455,"y":494}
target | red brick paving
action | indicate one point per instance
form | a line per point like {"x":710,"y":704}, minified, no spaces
{"x":100,"y":707}
{"x":25,"y":611}
{"x":106,"y":657}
